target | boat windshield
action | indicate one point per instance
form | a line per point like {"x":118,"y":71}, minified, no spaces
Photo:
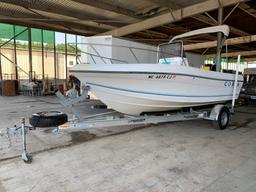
{"x":171,"y":53}
{"x":169,"y":50}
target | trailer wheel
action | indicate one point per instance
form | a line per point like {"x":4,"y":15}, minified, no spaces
{"x":48,"y":119}
{"x":223,"y":119}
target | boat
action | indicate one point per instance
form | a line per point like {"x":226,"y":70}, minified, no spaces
{"x":169,"y":84}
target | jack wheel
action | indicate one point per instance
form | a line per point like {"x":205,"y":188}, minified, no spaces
{"x":27,"y":159}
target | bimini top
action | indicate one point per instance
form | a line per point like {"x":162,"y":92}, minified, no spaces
{"x":220,"y":28}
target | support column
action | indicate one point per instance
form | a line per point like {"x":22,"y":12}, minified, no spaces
{"x":76,"y":52}
{"x":219,"y":40}
{"x":30,"y":54}
{"x":66,"y":58}
{"x":42,"y":45}
{"x":1,"y":75}
{"x":55,"y":59}
{"x":15,"y":53}
{"x":227,"y":62}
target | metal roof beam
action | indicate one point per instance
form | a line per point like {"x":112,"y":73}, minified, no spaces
{"x":249,"y":59}
{"x":166,"y":3}
{"x":247,"y":9}
{"x":207,"y":20}
{"x":231,"y":41}
{"x":175,"y":15}
{"x":53,"y":8}
{"x":48,"y":26}
{"x":202,"y":18}
{"x":233,"y":54}
{"x":170,"y":5}
{"x":88,"y":24}
{"x":56,"y":10}
{"x":103,"y":4}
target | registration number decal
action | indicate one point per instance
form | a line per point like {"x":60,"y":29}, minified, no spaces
{"x":161,"y":76}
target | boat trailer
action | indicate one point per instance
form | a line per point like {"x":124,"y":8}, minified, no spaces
{"x":219,"y":114}
{"x":111,"y":119}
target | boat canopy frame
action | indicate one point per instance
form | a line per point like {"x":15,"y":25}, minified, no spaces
{"x":215,"y":29}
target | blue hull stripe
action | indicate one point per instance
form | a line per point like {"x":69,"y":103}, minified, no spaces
{"x":152,"y":93}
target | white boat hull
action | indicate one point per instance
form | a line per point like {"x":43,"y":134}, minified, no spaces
{"x":137,"y":88}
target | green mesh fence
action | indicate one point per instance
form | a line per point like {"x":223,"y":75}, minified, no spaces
{"x":48,"y":36}
{"x":7,"y":32}
{"x":36,"y":35}
{"x":18,"y":29}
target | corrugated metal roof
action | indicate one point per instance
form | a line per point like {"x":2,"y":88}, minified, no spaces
{"x":93,"y":13}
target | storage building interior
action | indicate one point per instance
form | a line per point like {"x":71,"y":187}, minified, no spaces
{"x":89,"y":89}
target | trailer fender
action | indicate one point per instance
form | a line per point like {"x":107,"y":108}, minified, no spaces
{"x":214,"y":114}
{"x":220,"y":115}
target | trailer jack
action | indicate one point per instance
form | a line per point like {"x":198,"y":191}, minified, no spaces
{"x":21,"y":130}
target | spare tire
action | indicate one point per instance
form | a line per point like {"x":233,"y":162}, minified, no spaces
{"x":48,"y":119}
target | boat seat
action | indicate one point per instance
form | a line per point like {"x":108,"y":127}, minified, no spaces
{"x":174,"y":61}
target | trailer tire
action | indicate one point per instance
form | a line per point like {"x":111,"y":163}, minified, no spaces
{"x":48,"y":119}
{"x":223,"y":119}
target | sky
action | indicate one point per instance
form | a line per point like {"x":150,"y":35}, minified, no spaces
{"x":60,"y":38}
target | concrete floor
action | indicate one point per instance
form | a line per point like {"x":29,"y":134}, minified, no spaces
{"x":182,"y":156}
